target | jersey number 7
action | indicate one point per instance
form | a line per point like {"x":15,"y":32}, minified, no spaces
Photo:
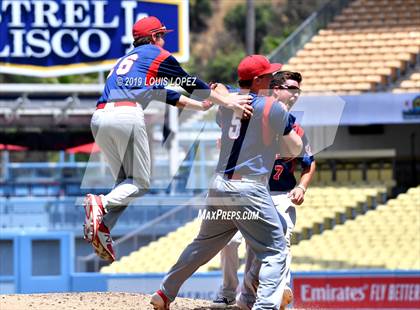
{"x":279,"y":169}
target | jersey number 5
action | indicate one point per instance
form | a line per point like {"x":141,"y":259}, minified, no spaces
{"x":235,"y":127}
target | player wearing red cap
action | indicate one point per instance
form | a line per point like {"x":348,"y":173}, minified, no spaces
{"x":119,"y":128}
{"x":147,"y":26}
{"x":285,"y":88}
{"x":240,"y":188}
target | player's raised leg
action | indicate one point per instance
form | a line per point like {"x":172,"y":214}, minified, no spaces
{"x":125,"y":147}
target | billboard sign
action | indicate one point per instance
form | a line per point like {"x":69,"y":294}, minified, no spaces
{"x":60,"y":37}
{"x":363,"y":291}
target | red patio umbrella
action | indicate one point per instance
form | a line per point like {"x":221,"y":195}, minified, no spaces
{"x":12,"y":147}
{"x":84,"y":148}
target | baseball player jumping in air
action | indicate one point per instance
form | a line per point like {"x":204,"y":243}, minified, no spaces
{"x":119,"y":129}
{"x":284,"y":192}
{"x":240,"y":186}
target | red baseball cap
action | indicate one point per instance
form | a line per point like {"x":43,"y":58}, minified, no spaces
{"x":256,"y":65}
{"x":147,"y":26}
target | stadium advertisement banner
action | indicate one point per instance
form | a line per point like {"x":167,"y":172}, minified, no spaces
{"x":357,"y":292}
{"x":46,"y":38}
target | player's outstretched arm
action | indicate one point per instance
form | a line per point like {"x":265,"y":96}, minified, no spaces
{"x":290,"y":145}
{"x":188,"y":103}
{"x":297,"y":194}
{"x":191,"y":104}
{"x":307,"y":175}
{"x":239,"y":103}
{"x":220,"y":89}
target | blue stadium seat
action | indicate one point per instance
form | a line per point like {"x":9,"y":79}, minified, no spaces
{"x":72,"y":189}
{"x":21,"y":190}
{"x":53,"y":190}
{"x":39,"y":190}
{"x":5,"y":190}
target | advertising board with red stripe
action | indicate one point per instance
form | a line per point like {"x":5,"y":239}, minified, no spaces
{"x":350,"y":292}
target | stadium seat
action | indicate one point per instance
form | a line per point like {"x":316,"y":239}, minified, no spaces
{"x":39,"y":190}
{"x":369,"y":233}
{"x":324,"y":208}
{"x":381,"y":42}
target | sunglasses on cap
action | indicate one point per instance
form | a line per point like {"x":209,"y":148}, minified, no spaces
{"x":292,"y":88}
{"x":160,"y":35}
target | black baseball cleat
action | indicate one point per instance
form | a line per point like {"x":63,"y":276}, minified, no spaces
{"x":223,"y":303}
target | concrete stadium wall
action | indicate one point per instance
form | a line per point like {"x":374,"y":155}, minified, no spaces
{"x":398,"y":137}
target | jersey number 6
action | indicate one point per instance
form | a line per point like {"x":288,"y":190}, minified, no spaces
{"x":125,"y":65}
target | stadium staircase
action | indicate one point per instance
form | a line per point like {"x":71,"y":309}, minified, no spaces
{"x":411,"y":84}
{"x":366,"y":48}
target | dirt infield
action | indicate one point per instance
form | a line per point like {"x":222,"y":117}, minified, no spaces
{"x":92,"y":301}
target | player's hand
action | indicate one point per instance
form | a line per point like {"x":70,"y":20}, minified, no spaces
{"x":297,"y":196}
{"x":244,"y":111}
{"x":213,"y":85}
{"x":207,"y":104}
{"x":240,"y":104}
{"x":284,"y":106}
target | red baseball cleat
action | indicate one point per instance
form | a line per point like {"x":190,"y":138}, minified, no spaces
{"x":94,"y":212}
{"x":102,"y":244}
{"x":159,"y":301}
{"x":94,"y":229}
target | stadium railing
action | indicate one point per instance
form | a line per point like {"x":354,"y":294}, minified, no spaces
{"x":58,"y":104}
{"x":53,"y":179}
{"x":307,"y":30}
{"x":67,"y":178}
{"x":66,"y":213}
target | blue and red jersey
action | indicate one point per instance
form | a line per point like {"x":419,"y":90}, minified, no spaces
{"x":142,"y":75}
{"x":245,"y":144}
{"x":282,"y":177}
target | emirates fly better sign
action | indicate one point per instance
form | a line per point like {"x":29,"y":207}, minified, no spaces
{"x":59,"y":37}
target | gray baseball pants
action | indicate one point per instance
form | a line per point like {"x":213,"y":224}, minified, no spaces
{"x":265,"y":236}
{"x":229,"y":256}
{"x":230,"y":264}
{"x":250,"y":284}
{"x":121,"y":134}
